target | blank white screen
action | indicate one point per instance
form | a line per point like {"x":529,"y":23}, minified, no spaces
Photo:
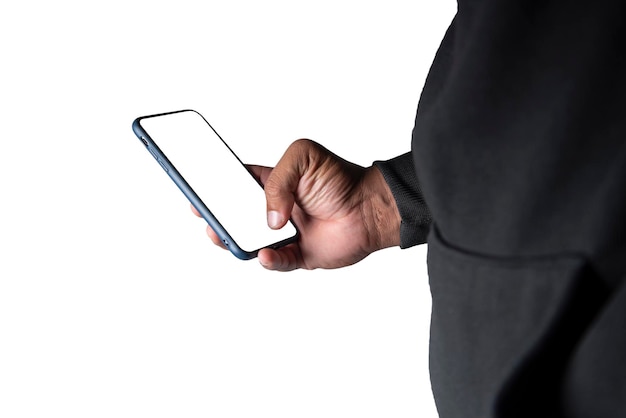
{"x":217,"y":177}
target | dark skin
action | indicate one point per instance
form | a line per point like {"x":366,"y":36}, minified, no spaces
{"x":343,"y":211}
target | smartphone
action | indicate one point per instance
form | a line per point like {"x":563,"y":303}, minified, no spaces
{"x":214,"y":180}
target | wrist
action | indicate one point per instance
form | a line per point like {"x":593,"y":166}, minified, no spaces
{"x":379,"y":210}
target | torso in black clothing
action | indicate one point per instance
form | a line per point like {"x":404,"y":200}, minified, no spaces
{"x":520,"y":139}
{"x":520,"y":148}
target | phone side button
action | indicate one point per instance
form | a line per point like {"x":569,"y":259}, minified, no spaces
{"x":163,"y":165}
{"x":153,"y":152}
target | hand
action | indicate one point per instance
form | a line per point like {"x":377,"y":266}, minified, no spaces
{"x":344,"y":212}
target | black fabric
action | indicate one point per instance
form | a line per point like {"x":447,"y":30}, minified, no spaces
{"x":521,"y":130}
{"x":399,"y":173}
{"x":595,"y":383}
{"x":520,"y":149}
{"x":503,"y":329}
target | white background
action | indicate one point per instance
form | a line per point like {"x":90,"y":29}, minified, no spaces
{"x":113,"y":303}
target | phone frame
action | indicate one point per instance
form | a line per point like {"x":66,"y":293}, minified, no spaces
{"x":191,"y":195}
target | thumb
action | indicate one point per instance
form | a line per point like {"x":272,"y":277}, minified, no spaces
{"x":281,"y":185}
{"x":280,"y":189}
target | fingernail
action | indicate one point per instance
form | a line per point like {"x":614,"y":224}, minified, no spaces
{"x":274,"y":219}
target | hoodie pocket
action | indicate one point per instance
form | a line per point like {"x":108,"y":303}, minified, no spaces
{"x":502,"y":329}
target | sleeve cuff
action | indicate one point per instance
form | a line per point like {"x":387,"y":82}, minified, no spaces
{"x":399,"y":173}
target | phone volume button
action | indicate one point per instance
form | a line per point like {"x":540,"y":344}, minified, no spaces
{"x":153,"y":152}
{"x":163,"y":165}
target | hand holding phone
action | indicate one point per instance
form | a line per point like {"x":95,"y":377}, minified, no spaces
{"x":343,"y":211}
